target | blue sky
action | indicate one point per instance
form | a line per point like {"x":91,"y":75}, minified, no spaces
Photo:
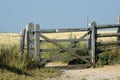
{"x":15,"y":14}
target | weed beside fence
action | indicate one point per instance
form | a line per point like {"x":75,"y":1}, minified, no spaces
{"x":109,"y":57}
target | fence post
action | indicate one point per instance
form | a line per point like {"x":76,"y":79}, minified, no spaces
{"x":118,"y":38}
{"x":29,"y":40}
{"x":89,"y":40}
{"x":93,"y":43}
{"x":37,"y":43}
{"x":22,"y":41}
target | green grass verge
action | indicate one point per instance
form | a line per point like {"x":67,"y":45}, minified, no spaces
{"x":15,"y":67}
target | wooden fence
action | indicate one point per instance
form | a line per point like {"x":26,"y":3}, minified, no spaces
{"x":34,"y":33}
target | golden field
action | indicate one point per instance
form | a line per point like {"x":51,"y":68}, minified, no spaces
{"x":11,"y":38}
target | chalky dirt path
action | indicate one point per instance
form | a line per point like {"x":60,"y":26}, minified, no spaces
{"x":103,"y":73}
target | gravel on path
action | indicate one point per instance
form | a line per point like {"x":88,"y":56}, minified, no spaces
{"x":103,"y":73}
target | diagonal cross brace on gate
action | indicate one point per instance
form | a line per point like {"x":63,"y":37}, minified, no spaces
{"x":74,"y":43}
{"x":64,"y":49}
{"x":70,"y":47}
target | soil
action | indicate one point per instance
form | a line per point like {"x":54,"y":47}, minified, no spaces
{"x":111,"y":72}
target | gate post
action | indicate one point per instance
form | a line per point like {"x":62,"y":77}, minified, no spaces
{"x":22,"y":41}
{"x":118,"y":31}
{"x":29,"y":40}
{"x":37,"y":43}
{"x":89,"y":40}
{"x":93,"y":43}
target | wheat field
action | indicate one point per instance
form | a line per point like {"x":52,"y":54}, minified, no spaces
{"x":14,"y":38}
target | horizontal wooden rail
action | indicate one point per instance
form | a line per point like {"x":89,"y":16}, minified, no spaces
{"x":61,"y":30}
{"x":108,"y":35}
{"x":108,"y":43}
{"x":65,"y":40}
{"x":65,"y":58}
{"x":108,"y":26}
{"x":52,"y":50}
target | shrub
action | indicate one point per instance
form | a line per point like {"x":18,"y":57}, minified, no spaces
{"x":111,"y":56}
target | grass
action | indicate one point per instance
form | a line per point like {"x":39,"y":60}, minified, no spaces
{"x":118,"y":78}
{"x":109,"y":57}
{"x":37,"y":74}
{"x":15,"y":67}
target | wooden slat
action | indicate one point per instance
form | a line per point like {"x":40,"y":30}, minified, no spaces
{"x":93,"y":42}
{"x":108,"y":26}
{"x":118,"y":31}
{"x":62,"y":30}
{"x":22,"y":41}
{"x":108,"y":35}
{"x":78,"y":66}
{"x":65,"y":40}
{"x":108,"y":43}
{"x":37,"y":54}
{"x":29,"y":39}
{"x":65,"y":58}
{"x":52,"y":50}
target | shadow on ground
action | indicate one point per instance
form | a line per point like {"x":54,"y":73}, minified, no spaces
{"x":14,"y":70}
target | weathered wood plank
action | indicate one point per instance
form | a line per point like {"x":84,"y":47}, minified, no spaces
{"x":52,"y":50}
{"x":89,"y":41}
{"x":108,"y":43}
{"x":64,"y":58}
{"x":22,"y":41}
{"x":78,"y":66}
{"x":118,"y":31}
{"x":63,"y":30}
{"x":65,"y":40}
{"x":108,"y":35}
{"x":93,"y":42}
{"x":37,"y":43}
{"x":108,"y":26}
{"x":29,"y":39}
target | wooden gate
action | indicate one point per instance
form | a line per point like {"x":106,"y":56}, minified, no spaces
{"x":34,"y":37}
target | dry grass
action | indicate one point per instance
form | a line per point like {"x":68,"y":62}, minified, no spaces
{"x":36,"y":74}
{"x":9,"y":38}
{"x":107,"y":38}
{"x":15,"y":67}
